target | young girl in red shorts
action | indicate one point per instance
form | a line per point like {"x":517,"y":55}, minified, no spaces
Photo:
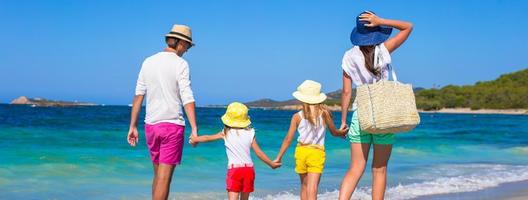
{"x":239,"y":138}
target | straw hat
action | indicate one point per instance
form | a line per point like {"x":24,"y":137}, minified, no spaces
{"x":236,"y":116}
{"x":181,"y":32}
{"x":309,"y":92}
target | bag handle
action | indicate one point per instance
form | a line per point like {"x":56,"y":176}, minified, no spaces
{"x":393,"y":73}
{"x":379,"y":57}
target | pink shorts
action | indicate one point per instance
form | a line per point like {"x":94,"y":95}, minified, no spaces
{"x":165,"y":142}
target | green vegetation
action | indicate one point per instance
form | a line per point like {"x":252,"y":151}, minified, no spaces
{"x":507,"y":92}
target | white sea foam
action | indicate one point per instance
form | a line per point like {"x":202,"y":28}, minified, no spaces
{"x":476,"y":177}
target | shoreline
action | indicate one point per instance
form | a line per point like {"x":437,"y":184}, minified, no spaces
{"x":337,"y":108}
{"x":441,"y":111}
{"x":506,"y":191}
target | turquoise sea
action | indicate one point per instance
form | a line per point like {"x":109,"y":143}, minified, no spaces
{"x":82,"y":153}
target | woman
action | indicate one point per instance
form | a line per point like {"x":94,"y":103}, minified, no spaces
{"x":368,"y":61}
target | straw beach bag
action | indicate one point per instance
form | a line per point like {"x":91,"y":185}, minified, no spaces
{"x":387,"y":107}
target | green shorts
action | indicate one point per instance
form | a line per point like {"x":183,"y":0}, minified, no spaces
{"x":355,"y":135}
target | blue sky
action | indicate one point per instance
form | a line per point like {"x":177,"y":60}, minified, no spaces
{"x":246,"y":50}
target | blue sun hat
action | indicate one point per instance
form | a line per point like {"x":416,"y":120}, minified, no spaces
{"x":365,"y":36}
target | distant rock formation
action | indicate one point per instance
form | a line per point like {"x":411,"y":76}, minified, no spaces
{"x":23,"y":100}
{"x":292,"y":104}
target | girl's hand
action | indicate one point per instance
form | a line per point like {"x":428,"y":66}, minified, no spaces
{"x":275,"y":165}
{"x":371,"y":18}
{"x":277,"y":160}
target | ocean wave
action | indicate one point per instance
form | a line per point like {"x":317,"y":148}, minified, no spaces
{"x":485,"y":176}
{"x":409,"y":151}
{"x":519,"y":150}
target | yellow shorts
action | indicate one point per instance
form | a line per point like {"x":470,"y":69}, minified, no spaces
{"x":309,"y":160}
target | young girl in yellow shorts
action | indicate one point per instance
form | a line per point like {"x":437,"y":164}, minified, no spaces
{"x":311,"y":123}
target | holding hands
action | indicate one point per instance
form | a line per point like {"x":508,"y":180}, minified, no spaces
{"x":277,"y":160}
{"x":275,"y":164}
{"x":343,"y":130}
{"x":194,"y":133}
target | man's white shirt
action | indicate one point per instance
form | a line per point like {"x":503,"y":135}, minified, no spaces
{"x":164,"y":79}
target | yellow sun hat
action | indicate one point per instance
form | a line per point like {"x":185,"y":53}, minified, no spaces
{"x":309,"y":92}
{"x":236,"y":116}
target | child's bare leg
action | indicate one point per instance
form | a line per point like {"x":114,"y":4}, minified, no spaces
{"x":312,"y":180}
{"x":233,"y":195}
{"x":303,"y":186}
{"x":244,"y":196}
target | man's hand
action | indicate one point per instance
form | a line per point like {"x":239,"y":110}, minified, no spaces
{"x":194,"y":133}
{"x":133,"y":136}
{"x":193,"y":139}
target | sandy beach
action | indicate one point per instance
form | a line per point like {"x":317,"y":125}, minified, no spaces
{"x":480,"y":111}
{"x":521,"y":195}
{"x":506,"y":191}
{"x":443,"y":110}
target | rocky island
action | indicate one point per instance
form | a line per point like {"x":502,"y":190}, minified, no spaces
{"x":22,"y":100}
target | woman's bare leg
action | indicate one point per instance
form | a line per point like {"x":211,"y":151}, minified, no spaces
{"x":359,"y":155}
{"x":379,"y":170}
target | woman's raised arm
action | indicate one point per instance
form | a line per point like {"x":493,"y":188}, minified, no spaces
{"x":393,"y":43}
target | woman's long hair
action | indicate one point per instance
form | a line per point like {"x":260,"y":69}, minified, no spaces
{"x":311,"y":112}
{"x":368,"y":54}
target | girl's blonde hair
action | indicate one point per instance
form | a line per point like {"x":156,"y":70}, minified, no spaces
{"x":311,"y":112}
{"x":228,"y":128}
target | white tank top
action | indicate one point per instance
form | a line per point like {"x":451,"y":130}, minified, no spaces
{"x":310,"y":134}
{"x":238,"y":146}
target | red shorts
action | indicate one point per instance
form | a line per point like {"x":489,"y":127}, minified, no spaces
{"x":165,"y":142}
{"x":240,"y":179}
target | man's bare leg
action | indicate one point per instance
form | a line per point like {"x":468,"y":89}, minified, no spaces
{"x":163,"y":179}
{"x":154,"y":179}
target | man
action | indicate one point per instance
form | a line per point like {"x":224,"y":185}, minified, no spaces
{"x":164,"y":79}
